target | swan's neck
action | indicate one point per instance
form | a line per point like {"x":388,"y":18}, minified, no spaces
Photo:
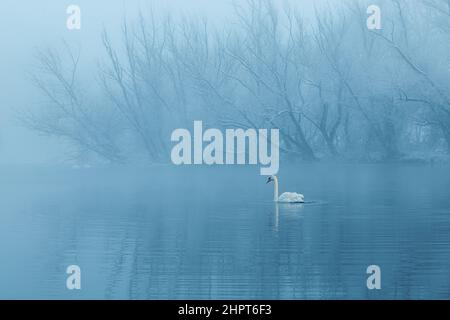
{"x":275,"y":189}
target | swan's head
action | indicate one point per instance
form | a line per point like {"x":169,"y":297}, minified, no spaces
{"x":270,"y":179}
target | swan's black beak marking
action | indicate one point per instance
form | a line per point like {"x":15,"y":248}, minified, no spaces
{"x":268,"y":180}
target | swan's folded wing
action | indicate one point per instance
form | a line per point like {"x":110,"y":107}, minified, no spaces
{"x":291,"y":197}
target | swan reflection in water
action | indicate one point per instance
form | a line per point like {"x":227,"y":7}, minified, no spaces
{"x":288,"y":210}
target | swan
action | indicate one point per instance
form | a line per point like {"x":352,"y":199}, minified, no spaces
{"x":291,"y":197}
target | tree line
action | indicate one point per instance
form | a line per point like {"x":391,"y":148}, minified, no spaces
{"x":334,"y":88}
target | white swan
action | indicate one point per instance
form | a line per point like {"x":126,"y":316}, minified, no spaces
{"x":291,"y":197}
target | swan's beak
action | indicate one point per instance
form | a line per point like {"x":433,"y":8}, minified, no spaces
{"x":268,"y":180}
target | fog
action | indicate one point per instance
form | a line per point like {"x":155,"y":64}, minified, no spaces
{"x":361,"y":117}
{"x":336,"y":90}
{"x":25,"y":27}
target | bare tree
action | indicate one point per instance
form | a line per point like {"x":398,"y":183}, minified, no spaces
{"x":332,"y":87}
{"x":67,"y":113}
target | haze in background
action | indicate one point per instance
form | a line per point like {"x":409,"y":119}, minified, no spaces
{"x":26,"y":26}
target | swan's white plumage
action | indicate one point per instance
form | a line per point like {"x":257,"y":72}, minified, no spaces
{"x":287,"y":197}
{"x":291,"y":197}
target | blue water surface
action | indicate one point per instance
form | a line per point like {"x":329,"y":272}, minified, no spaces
{"x":213,"y":233}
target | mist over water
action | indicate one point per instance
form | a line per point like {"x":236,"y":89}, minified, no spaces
{"x":160,"y":232}
{"x":86,"y":177}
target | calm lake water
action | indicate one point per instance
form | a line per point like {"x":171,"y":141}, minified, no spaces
{"x":200,"y":233}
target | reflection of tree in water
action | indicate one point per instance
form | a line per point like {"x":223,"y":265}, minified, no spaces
{"x":195,"y":250}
